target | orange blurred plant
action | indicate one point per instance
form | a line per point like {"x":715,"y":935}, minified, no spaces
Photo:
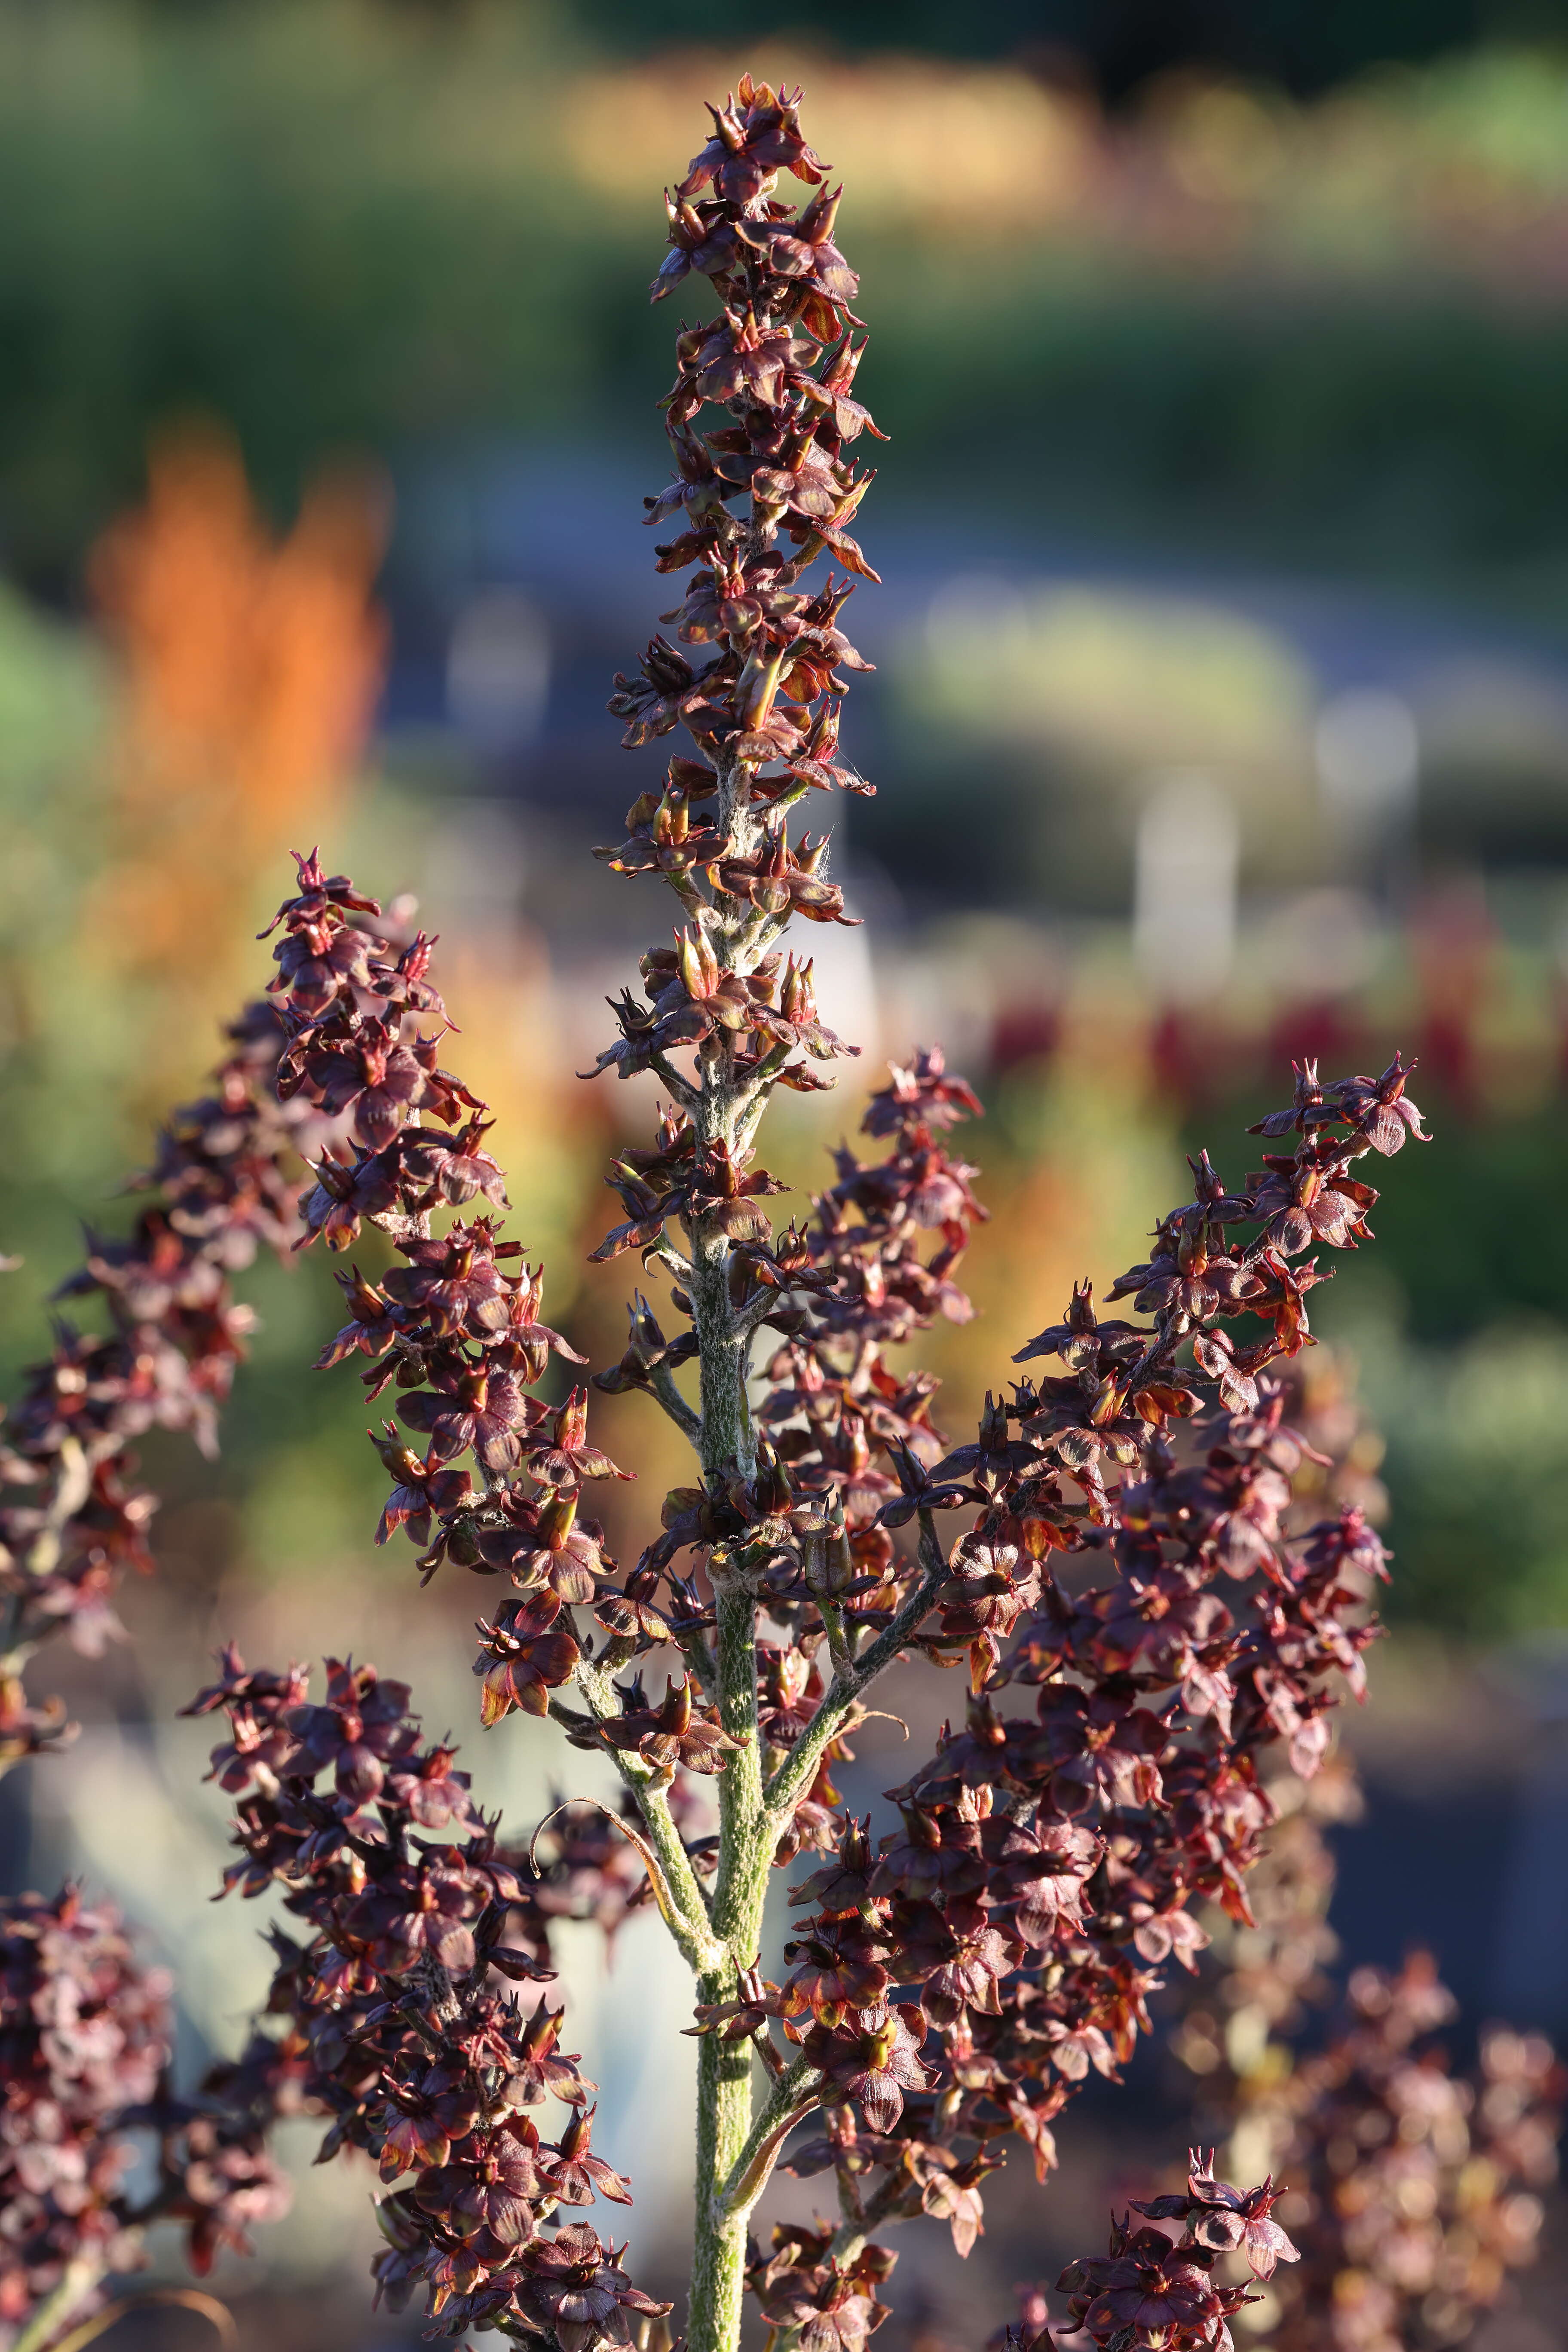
{"x":252,"y":665}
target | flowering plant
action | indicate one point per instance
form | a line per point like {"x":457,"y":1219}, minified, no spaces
{"x":72,"y":1519}
{"x":84,"y":2027}
{"x":1116,"y":1561}
{"x":1121,"y":1563}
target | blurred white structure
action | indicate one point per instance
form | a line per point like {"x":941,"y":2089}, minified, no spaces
{"x":846,"y":994}
{"x":475,"y":870}
{"x":1367,"y":749}
{"x":498,"y":669}
{"x":1184,"y":885}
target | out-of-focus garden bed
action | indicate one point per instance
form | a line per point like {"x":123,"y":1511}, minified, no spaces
{"x":1332,"y":330}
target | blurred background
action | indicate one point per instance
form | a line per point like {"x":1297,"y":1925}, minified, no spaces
{"x":1220,"y":716}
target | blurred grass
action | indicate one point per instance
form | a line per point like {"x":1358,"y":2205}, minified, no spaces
{"x":1336,"y":332}
{"x":54,"y":700}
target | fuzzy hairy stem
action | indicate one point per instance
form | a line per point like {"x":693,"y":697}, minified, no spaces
{"x":724,"y":2068}
{"x":727,"y":1446}
{"x":792,"y":2098}
{"x":719,"y":2238}
{"x":682,"y":1903}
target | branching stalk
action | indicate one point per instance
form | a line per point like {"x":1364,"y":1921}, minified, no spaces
{"x":792,"y":2098}
{"x":661,"y":1381}
{"x":683,"y":1904}
{"x":795,"y":1774}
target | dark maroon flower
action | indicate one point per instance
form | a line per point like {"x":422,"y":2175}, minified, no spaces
{"x":677,"y":1733}
{"x":873,"y":2061}
{"x":568,"y":1459}
{"x":575,"y":2288}
{"x":576,"y":2176}
{"x":957,"y":1982}
{"x":525,"y":1654}
{"x":479,"y":1411}
{"x":420,"y":1494}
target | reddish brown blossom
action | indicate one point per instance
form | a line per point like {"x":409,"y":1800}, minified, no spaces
{"x":72,"y":1516}
{"x":409,"y":2043}
{"x":1150,"y":1613}
{"x":85,"y":2046}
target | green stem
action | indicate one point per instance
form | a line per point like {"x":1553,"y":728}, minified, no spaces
{"x":727,"y":1444}
{"x":728,"y":1449}
{"x":792,"y":2098}
{"x":73,"y":1486}
{"x":688,"y":1917}
{"x":794,"y":1776}
{"x":80,"y":2277}
{"x":661,"y":1381}
{"x":724,"y":2068}
{"x":724,"y":2124}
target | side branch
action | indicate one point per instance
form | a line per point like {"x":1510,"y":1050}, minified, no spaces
{"x":792,"y":2099}
{"x":753,"y":1096}
{"x":661,"y":1383}
{"x":681,"y":1089}
{"x":82,"y":2273}
{"x":789,"y":1784}
{"x":686,"y":1916}
{"x":852,"y":2234}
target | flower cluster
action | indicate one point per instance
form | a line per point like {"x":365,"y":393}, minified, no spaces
{"x":1155,"y":1602}
{"x":72,"y":1516}
{"x":1263,"y":1972}
{"x":782,"y":358}
{"x":756,"y":500}
{"x":1415,"y":2185}
{"x":394,"y":2014}
{"x":1414,"y":2193}
{"x":1417,"y":2189}
{"x":84,"y":2028}
{"x":879,"y":1267}
{"x":812,"y":1525}
{"x":85,"y":2034}
{"x":1150,"y":2293}
{"x":804,"y":2290}
{"x":955,"y":1985}
{"x":85,"y":2037}
{"x":959,"y":1982}
{"x":455,"y":1328}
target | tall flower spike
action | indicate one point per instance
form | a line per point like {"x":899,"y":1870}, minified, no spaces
{"x":1415,"y":2236}
{"x":1448,"y":2165}
{"x":84,"y":2026}
{"x":949,"y":1987}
